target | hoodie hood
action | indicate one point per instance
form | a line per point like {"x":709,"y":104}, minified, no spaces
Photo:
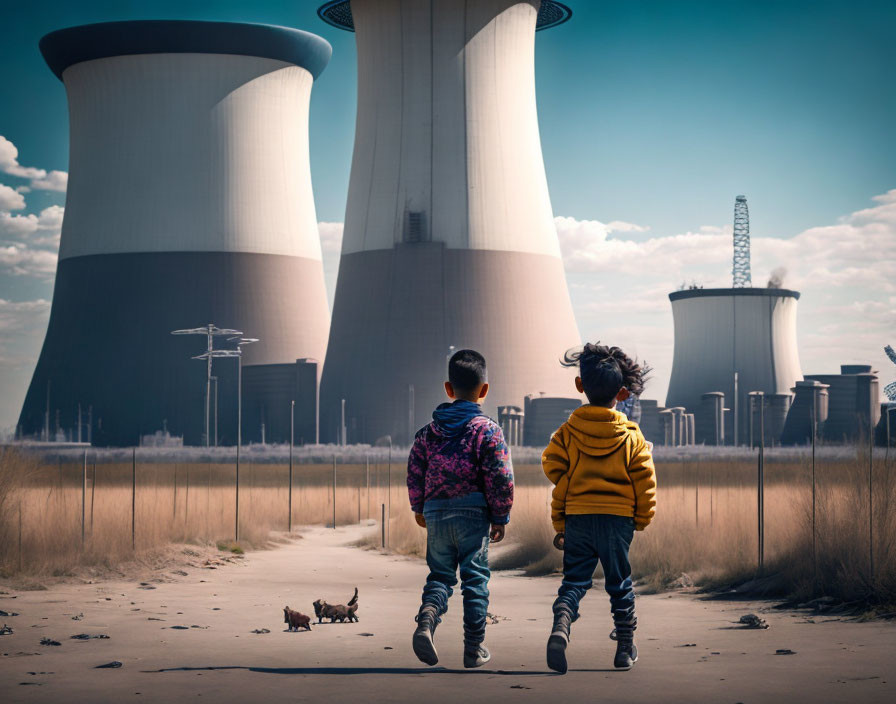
{"x":450,"y":419}
{"x":598,"y":431}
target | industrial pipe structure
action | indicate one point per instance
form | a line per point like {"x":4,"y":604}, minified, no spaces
{"x":189,"y":199}
{"x":449,"y":236}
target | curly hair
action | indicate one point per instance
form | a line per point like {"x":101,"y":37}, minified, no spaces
{"x":605,"y":370}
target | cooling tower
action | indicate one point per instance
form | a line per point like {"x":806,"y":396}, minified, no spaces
{"x":720,"y":332}
{"x":449,"y":237}
{"x":189,"y":202}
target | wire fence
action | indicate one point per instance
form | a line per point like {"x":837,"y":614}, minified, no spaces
{"x":754,"y":509}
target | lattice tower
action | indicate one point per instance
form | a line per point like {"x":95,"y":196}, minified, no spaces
{"x":741,"y":269}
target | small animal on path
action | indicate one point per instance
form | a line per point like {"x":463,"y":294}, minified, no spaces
{"x":295,"y":620}
{"x":337,"y":612}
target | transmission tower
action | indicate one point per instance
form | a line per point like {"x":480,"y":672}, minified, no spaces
{"x":741,"y":270}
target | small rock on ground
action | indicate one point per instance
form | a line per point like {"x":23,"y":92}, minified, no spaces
{"x":752,"y":621}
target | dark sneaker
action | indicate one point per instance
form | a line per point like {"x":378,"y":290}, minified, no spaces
{"x":557,"y":652}
{"x":476,"y":656}
{"x":424,"y":648}
{"x":626,"y":655}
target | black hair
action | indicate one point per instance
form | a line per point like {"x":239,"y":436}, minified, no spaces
{"x":466,"y":371}
{"x":606,"y":370}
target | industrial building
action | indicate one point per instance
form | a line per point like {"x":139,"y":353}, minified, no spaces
{"x":651,"y":423}
{"x":512,"y":421}
{"x":853,"y":403}
{"x":807,"y":413}
{"x":544,"y":414}
{"x":277,"y":397}
{"x":189,"y":201}
{"x":449,"y":238}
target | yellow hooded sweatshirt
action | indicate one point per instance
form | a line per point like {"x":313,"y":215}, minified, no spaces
{"x":599,"y":462}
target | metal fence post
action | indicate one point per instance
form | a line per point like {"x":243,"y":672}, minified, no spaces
{"x":92,"y":497}
{"x":696,"y":494}
{"x":389,"y":495}
{"x":871,"y":501}
{"x":292,"y":440}
{"x":20,"y":534}
{"x":762,"y":483}
{"x":334,"y":492}
{"x":382,"y":523}
{"x":174,"y":509}
{"x":84,"y":500}
{"x":187,"y":502}
{"x":236,"y":517}
{"x":134,"y":499}
{"x":367,"y":461}
{"x":814,"y":491}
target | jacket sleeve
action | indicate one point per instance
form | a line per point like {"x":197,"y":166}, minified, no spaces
{"x":643,"y":476}
{"x":497,"y":474}
{"x":555,"y":462}
{"x":417,"y":475}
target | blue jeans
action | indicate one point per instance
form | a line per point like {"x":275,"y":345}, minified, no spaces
{"x":591,"y":538}
{"x":458,"y":538}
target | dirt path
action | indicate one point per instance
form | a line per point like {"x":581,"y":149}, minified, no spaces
{"x":690,"y":651}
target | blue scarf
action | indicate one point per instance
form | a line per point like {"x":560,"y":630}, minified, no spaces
{"x":452,"y":418}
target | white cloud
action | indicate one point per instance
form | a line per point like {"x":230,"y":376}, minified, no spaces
{"x":28,"y":243}
{"x":9,"y":162}
{"x":22,"y":327}
{"x":331,"y":248}
{"x":46,"y":226}
{"x":589,"y":246}
{"x":17,"y":316}
{"x":621,"y":226}
{"x":846,"y":273}
{"x":330,"y":237}
{"x":40,"y":179}
{"x":55,"y":181}
{"x":10,"y":199}
{"x":19,"y":260}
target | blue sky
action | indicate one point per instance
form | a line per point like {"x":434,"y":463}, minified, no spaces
{"x":653,"y":115}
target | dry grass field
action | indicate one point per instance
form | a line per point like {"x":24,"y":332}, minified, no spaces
{"x":706,"y":524}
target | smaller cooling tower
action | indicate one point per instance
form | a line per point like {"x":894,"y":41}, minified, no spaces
{"x":721,"y":332}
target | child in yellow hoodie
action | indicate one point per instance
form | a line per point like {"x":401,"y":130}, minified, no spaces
{"x":604,"y":490}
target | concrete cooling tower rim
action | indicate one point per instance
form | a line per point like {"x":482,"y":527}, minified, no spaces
{"x":338,"y":13}
{"x":720,"y":292}
{"x":73,"y":45}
